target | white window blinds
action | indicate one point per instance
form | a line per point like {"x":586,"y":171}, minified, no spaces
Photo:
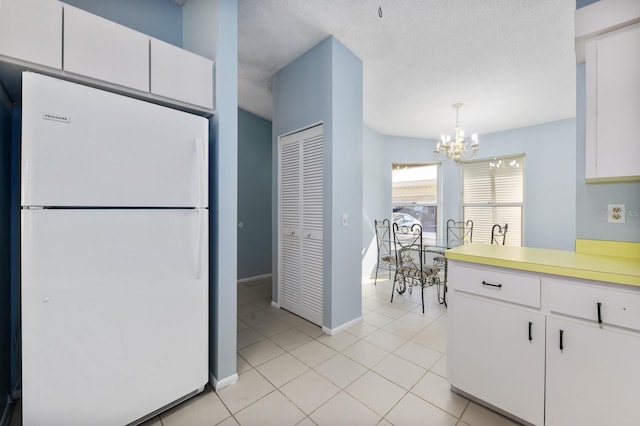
{"x":493,"y":194}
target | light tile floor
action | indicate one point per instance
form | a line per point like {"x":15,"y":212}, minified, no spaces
{"x":389,"y":369}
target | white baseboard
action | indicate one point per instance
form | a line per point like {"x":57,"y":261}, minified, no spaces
{"x":275,"y":305}
{"x":255,"y":278}
{"x":340,"y":328}
{"x":222,"y":383}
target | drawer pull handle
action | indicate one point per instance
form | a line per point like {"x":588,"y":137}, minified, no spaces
{"x":561,"y":342}
{"x":599,"y":313}
{"x":491,"y":284}
{"x":530,"y":327}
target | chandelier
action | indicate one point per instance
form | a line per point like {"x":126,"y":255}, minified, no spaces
{"x":457,"y":149}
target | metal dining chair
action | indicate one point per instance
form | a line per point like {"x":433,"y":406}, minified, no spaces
{"x":458,"y":232}
{"x":410,"y":268}
{"x":499,"y":233}
{"x":386,"y":257}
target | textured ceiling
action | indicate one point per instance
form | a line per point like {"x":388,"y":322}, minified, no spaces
{"x":511,"y":62}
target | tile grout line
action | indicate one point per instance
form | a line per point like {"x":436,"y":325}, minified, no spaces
{"x":367,"y":369}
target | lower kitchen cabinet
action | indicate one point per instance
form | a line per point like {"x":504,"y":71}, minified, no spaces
{"x":499,"y":355}
{"x":595,"y":377}
{"x":568,"y":354}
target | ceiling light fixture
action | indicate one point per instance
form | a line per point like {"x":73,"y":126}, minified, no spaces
{"x":457,"y":149}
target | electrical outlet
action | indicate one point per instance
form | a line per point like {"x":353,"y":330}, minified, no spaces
{"x":616,"y":213}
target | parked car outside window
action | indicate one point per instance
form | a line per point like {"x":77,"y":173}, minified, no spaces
{"x":404,"y":219}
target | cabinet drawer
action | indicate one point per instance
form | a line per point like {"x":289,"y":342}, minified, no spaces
{"x":101,"y":49}
{"x":617,"y":307}
{"x":521,"y":289}
{"x":31,"y":30}
{"x":179,"y":74}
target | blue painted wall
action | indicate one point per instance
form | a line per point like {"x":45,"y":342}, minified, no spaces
{"x":583,"y":3}
{"x":5,"y":251}
{"x":211,"y":30}
{"x":550,"y":190}
{"x":161,"y":19}
{"x":225,"y":181}
{"x":325,"y":85}
{"x":346,"y":189}
{"x":550,"y":184}
{"x":592,"y":199}
{"x":254,"y":195}
{"x":374,"y":180}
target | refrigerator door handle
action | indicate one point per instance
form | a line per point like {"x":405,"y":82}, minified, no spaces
{"x":201,"y":218}
{"x":201,"y":169}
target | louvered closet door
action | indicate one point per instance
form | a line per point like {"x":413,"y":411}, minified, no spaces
{"x":290,"y":247}
{"x":312,"y":175}
{"x":300,"y":216}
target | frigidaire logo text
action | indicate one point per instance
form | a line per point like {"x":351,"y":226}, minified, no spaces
{"x":56,"y":117}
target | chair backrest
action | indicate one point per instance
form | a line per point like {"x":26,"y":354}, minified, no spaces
{"x":408,"y":245}
{"x":383,"y":237}
{"x":499,"y":233}
{"x":459,"y":232}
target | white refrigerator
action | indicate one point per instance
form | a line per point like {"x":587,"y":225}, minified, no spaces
{"x":114,"y":255}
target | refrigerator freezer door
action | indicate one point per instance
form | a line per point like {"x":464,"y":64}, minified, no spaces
{"x":86,"y":147}
{"x":114,"y":313}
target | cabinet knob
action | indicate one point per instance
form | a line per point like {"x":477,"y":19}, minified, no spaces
{"x":530,"y":327}
{"x":561,"y":340}
{"x":599,"y":313}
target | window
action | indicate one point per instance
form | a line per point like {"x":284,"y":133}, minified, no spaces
{"x":493,"y":193}
{"x":414,"y":196}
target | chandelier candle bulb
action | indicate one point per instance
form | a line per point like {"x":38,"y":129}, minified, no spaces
{"x":457,"y":149}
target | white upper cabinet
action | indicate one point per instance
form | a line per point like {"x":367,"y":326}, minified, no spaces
{"x":31,"y":30}
{"x":51,"y":36}
{"x":613,"y":106}
{"x":179,"y":74}
{"x":101,"y":49}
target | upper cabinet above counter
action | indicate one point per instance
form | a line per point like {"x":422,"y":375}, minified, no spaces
{"x":601,"y":17}
{"x":64,"y":41}
{"x":101,"y":49}
{"x":608,"y":41}
{"x":31,"y":31}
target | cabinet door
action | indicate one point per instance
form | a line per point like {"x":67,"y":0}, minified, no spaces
{"x":101,"y":49}
{"x":180,"y":74}
{"x":594,"y":379}
{"x":498,"y":355}
{"x":31,"y":30}
{"x":613,"y":105}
